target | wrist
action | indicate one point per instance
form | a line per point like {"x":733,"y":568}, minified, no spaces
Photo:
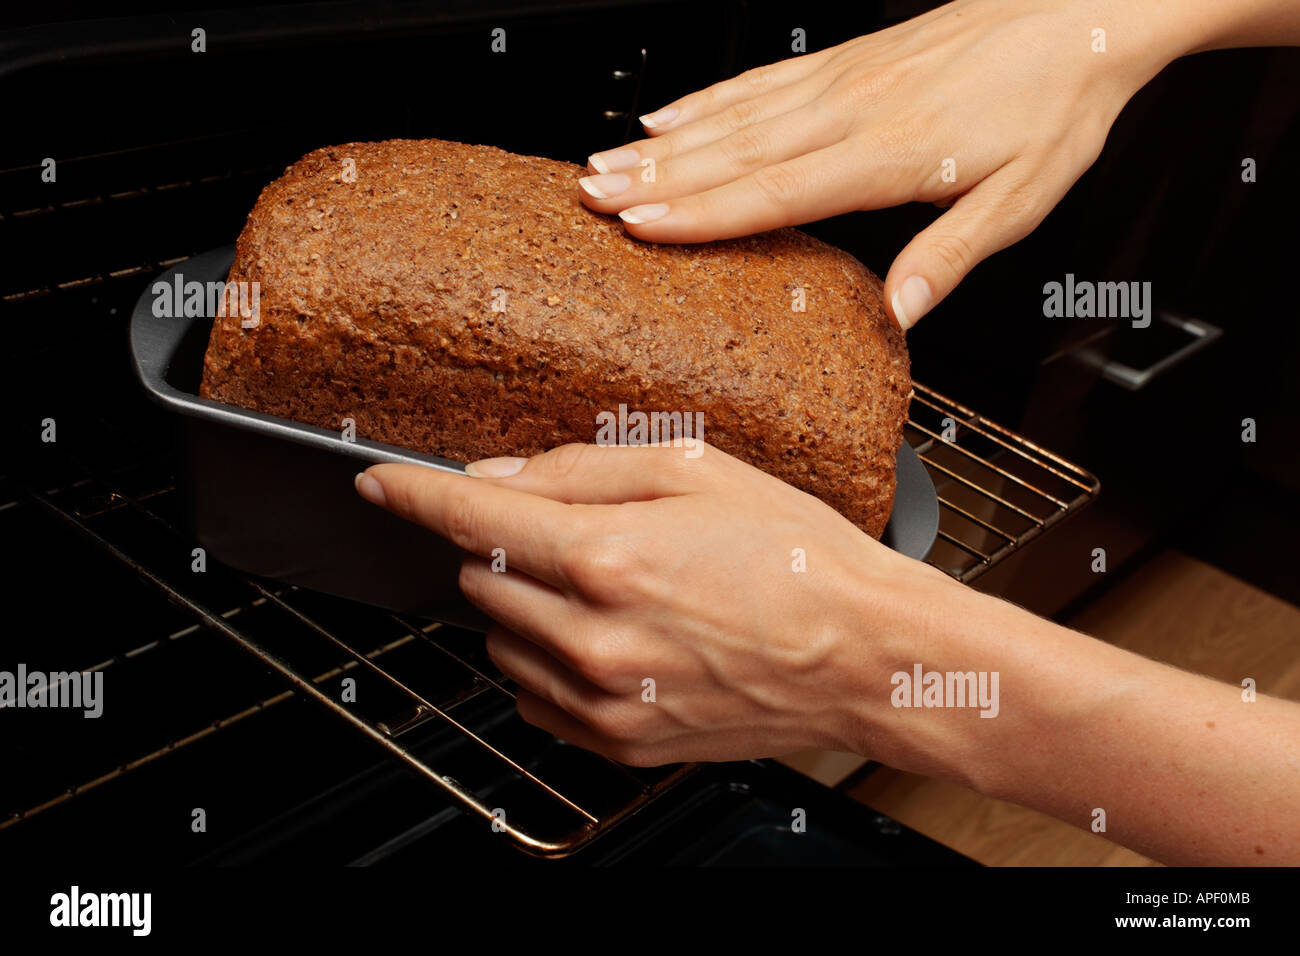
{"x":906,"y":622}
{"x":1140,"y":39}
{"x":1195,"y":26}
{"x":998,"y":685}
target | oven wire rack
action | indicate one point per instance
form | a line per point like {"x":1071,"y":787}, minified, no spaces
{"x":997,"y":489}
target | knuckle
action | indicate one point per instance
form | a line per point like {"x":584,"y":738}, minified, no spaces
{"x":619,"y":721}
{"x":739,"y":115}
{"x":678,"y":469}
{"x":954,"y":252}
{"x":1017,"y":203}
{"x":864,"y":89}
{"x":757,"y":81}
{"x":602,"y":662}
{"x":571,"y":558}
{"x":406,"y":498}
{"x":599,"y":568}
{"x":661,"y":149}
{"x":703,"y":102}
{"x":1023,"y":220}
{"x":900,"y":138}
{"x":474,"y":580}
{"x":745,"y":148}
{"x":566,"y":460}
{"x":464,"y":520}
{"x":781,"y":184}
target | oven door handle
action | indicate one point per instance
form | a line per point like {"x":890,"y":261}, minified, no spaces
{"x":1126,"y":376}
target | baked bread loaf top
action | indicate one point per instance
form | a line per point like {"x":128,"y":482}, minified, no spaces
{"x":459,"y":300}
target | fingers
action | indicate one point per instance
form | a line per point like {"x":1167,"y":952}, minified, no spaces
{"x":559,"y":625}
{"x":687,"y":138}
{"x":652,"y":751}
{"x":618,"y":725}
{"x":533,"y":669}
{"x":480,"y":516}
{"x":523,"y":604}
{"x":825,"y":182}
{"x":558,"y":722}
{"x":720,"y":160}
{"x":747,"y":86}
{"x":611,"y":474}
{"x":539,"y":515}
{"x":992,"y":216}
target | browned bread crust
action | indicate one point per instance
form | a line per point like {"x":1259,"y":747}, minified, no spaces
{"x":377,"y":304}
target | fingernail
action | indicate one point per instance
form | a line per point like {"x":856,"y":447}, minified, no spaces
{"x":606,"y":185}
{"x":614,"y":160}
{"x":370,"y":489}
{"x":659,"y":118}
{"x":495,"y":467}
{"x":647,"y":213}
{"x":911,"y":301}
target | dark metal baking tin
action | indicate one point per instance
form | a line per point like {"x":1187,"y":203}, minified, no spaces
{"x":275,"y":498}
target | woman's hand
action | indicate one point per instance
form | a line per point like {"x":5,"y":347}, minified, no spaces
{"x":993,"y":108}
{"x":633,"y":564}
{"x":628,"y":565}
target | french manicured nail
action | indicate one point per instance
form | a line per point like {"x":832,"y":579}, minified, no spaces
{"x":614,"y":160}
{"x":605,"y":185}
{"x":911,"y":301}
{"x":370,"y":489}
{"x":495,"y":467}
{"x":659,"y":118}
{"x":648,"y":213}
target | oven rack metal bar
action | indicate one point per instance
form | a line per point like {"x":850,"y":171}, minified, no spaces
{"x":143,"y":271}
{"x":123,"y":194}
{"x":424,"y":706}
{"x":1049,"y":487}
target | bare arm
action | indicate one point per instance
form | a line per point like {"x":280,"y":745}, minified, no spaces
{"x":1184,"y":769}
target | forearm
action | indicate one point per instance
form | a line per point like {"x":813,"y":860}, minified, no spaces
{"x":1219,"y":25}
{"x":1141,"y":38}
{"x":1184,"y":769}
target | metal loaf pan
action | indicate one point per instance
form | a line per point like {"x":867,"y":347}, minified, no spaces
{"x":275,"y":498}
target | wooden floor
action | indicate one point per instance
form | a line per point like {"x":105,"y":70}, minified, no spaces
{"x":1176,"y":609}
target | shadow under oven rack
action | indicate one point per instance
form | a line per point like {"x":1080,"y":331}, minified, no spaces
{"x":426,"y":695}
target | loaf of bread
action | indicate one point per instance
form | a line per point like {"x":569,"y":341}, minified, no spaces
{"x":460,"y":300}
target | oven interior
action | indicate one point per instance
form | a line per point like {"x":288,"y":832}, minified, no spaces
{"x":222,"y":689}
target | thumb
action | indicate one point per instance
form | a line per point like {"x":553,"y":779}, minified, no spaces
{"x":988,"y":218}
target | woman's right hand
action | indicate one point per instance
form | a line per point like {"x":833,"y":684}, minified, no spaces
{"x":994,"y":107}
